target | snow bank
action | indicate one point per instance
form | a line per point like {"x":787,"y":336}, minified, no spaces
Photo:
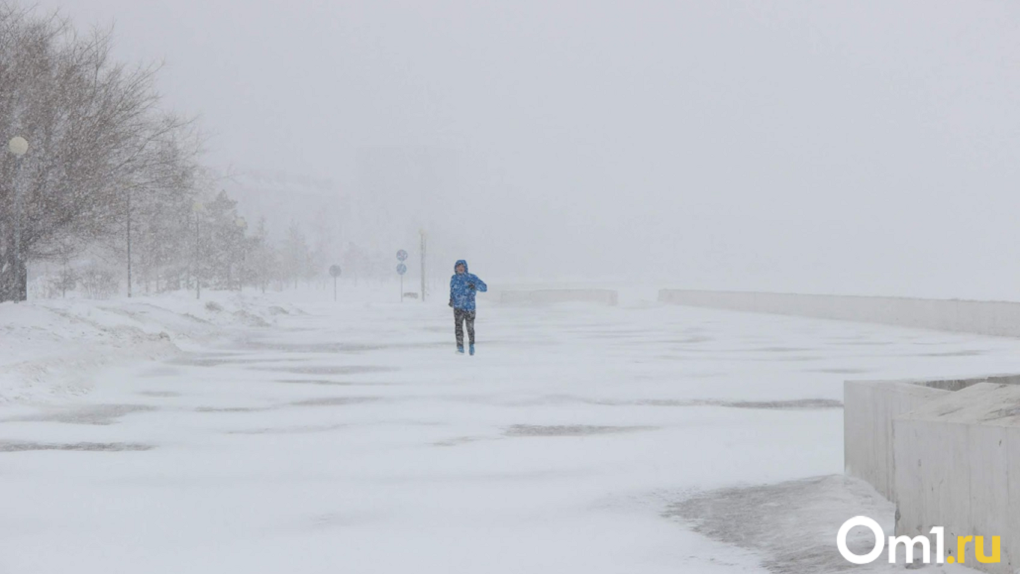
{"x":51,"y":348}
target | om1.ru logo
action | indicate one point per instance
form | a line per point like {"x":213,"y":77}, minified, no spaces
{"x":912,"y":543}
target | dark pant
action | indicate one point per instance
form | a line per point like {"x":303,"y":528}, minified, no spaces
{"x":459,"y":316}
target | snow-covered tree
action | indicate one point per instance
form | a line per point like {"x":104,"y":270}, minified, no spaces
{"x":295,"y":256}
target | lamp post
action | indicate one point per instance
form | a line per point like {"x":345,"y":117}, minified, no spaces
{"x":197,"y":208}
{"x":242,"y":225}
{"x":129,"y":243}
{"x":19,"y":147}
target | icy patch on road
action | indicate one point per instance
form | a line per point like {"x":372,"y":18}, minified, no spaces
{"x":344,"y":347}
{"x":841,"y":371}
{"x":220,"y":359}
{"x":159,"y":394}
{"x":232,"y":409}
{"x":460,"y":440}
{"x":307,"y":429}
{"x":6,"y":446}
{"x":90,"y":415}
{"x":328,"y":369}
{"x":328,"y":383}
{"x":335,"y":401}
{"x":571,"y":430}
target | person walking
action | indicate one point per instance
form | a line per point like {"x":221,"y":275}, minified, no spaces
{"x":463,"y":286}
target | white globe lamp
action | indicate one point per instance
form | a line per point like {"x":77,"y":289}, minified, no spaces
{"x":18,"y":146}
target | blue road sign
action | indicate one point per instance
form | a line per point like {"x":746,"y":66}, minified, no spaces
{"x":401,"y":268}
{"x":401,"y":255}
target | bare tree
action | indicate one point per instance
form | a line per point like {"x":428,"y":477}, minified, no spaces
{"x":98,"y":141}
{"x":295,"y":256}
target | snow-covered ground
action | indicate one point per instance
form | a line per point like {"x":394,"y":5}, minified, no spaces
{"x":262,"y":434}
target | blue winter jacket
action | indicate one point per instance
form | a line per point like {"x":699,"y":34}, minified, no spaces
{"x":463,"y":287}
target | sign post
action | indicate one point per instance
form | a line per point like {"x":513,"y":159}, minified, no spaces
{"x":422,"y":233}
{"x":334,"y":270}
{"x":401,"y":269}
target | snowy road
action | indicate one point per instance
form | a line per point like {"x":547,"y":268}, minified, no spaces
{"x":353,"y":439}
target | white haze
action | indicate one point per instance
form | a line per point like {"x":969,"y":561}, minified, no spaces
{"x":856,"y":147}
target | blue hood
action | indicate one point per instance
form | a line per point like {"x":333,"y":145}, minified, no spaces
{"x":463,"y":288}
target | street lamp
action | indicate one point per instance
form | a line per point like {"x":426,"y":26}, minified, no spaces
{"x":19,"y":147}
{"x":197,"y":208}
{"x":242,"y":225}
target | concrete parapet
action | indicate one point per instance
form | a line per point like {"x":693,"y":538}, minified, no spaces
{"x":547,"y":296}
{"x":869,"y":409}
{"x":999,"y":318}
{"x":957,"y":465}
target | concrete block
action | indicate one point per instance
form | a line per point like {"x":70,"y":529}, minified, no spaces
{"x":869,"y":408}
{"x":1012,"y":461}
{"x":955,"y":465}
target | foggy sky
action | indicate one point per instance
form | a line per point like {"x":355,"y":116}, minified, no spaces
{"x":853,"y":147}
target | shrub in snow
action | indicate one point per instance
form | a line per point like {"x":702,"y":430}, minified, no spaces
{"x":99,"y":282}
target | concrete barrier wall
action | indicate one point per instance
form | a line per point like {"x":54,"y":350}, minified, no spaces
{"x":983,"y":317}
{"x":548,"y":296}
{"x":869,"y":409}
{"x":957,"y":465}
